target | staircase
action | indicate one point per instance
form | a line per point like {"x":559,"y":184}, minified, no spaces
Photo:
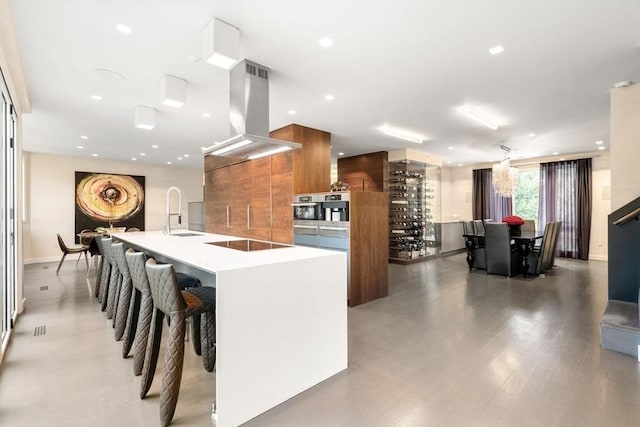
{"x":620,"y":323}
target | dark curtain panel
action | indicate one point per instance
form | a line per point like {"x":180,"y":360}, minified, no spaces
{"x":565,"y":195}
{"x":482,"y":191}
{"x":486,"y":202}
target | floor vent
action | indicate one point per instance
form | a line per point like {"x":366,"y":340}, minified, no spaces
{"x":44,"y":288}
{"x":40,"y":330}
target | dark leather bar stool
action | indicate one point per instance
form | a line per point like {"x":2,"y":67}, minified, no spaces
{"x":105,"y":276}
{"x":177,"y":305}
{"x":141,"y":309}
{"x":98,"y":243}
{"x":123,"y":305}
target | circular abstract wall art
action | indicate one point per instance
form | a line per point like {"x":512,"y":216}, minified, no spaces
{"x":107,"y":197}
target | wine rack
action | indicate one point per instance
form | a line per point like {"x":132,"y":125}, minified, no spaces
{"x":412,"y":211}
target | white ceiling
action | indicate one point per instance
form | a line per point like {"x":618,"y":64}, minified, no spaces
{"x":409,"y":64}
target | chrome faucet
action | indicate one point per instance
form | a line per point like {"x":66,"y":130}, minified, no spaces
{"x":169,"y":213}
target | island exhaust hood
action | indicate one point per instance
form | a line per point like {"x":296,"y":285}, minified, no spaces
{"x":249,"y":116}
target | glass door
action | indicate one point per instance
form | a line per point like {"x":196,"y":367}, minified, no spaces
{"x":4,"y":292}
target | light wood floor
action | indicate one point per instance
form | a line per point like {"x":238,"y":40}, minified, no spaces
{"x":448,"y":347}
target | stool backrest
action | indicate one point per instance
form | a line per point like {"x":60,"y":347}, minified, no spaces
{"x":135,"y":262}
{"x":117,"y":249}
{"x":164,"y":287}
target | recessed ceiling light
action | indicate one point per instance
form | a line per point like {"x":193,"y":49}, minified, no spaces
{"x":143,"y":154}
{"x":134,"y":159}
{"x":123,"y":28}
{"x":84,"y":137}
{"x":531,"y":135}
{"x":341,"y":154}
{"x":206,"y":114}
{"x":449,"y":148}
{"x":460,"y":164}
{"x":601,"y":148}
{"x":292,"y":112}
{"x":96,"y":97}
{"x":325,"y":42}
{"x":599,"y":142}
{"x":168,"y":163}
{"x":94,"y":155}
{"x":79,"y":147}
{"x":179,"y":158}
{"x":449,"y":162}
{"x":555,"y":153}
{"x":154,"y":146}
{"x":185,"y":155}
{"x":496,"y":50}
{"x":109,"y":74}
{"x":329,"y":97}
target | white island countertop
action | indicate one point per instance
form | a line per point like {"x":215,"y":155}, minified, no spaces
{"x":281,"y":316}
{"x":194,"y":250}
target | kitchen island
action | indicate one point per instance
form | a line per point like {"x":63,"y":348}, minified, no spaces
{"x":281,"y":314}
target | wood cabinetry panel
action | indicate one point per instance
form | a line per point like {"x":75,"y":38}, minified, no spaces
{"x":312,"y":162}
{"x":281,"y":198}
{"x":367,"y":172}
{"x":369,"y":222}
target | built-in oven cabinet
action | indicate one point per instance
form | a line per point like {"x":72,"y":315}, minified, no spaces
{"x":334,"y":236}
{"x":305,"y":233}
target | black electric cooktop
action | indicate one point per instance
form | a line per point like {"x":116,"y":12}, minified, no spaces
{"x":248,"y":245}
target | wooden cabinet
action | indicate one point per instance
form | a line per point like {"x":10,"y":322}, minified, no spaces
{"x":366,"y":172}
{"x":251,"y":199}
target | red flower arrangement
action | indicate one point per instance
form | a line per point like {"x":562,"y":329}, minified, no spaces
{"x":512,"y":220}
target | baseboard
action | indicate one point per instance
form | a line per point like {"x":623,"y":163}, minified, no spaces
{"x":49,"y":259}
{"x":598,"y":258}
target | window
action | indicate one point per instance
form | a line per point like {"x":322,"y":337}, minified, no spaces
{"x":525,"y":202}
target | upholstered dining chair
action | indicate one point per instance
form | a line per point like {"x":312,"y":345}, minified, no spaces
{"x":66,"y":250}
{"x":529,"y":226}
{"x":502,"y":258}
{"x":538,"y":258}
{"x":85,"y":239}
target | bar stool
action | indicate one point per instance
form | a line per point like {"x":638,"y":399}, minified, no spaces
{"x":99,"y":267}
{"x":141,"y":309}
{"x":177,"y":306}
{"x":105,"y":276}
{"x":123,"y":307}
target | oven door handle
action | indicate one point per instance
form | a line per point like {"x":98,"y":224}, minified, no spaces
{"x":305,"y":226}
{"x":334,"y":228}
{"x":305,"y":204}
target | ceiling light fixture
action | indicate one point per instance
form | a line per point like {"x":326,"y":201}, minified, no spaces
{"x":531,"y":135}
{"x":329,"y":97}
{"x":79,"y":147}
{"x":601,"y":148}
{"x":480,"y":118}
{"x":325,"y":42}
{"x":397,"y":133}
{"x":206,"y":115}
{"x":174,"y":91}
{"x":94,"y":155}
{"x":449,"y":148}
{"x":144,"y":117}
{"x":168,"y":163}
{"x":496,"y":50}
{"x":143,"y":154}
{"x":503,"y":176}
{"x":179,"y":158}
{"x":123,"y":28}
{"x":555,"y":153}
{"x":84,"y":137}
{"x":221,"y":44}
{"x":599,"y":142}
{"x":341,"y":154}
{"x":134,"y":159}
{"x":96,"y":97}
{"x":154,"y":146}
{"x":232,"y":147}
{"x":185,"y":155}
{"x":449,"y":162}
{"x":292,"y":112}
{"x":269,"y":152}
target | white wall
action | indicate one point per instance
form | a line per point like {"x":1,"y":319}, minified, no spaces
{"x":457,"y":185}
{"x":50,"y":191}
{"x":625,"y":145}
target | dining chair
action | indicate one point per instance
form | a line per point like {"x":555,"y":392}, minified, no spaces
{"x":502,"y":257}
{"x":84,"y":239}
{"x":66,"y":250}
{"x":554,"y":245}
{"x":529,"y":226}
{"x":538,"y":258}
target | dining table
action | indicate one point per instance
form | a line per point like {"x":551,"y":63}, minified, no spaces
{"x":524,"y":240}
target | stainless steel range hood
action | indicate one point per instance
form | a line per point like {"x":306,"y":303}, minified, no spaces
{"x":249,"y":116}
